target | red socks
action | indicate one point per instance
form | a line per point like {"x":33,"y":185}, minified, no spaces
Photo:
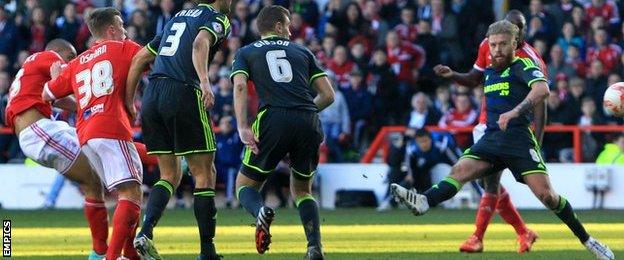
{"x":97,"y":216}
{"x":509,"y":213}
{"x":125,"y":220}
{"x":487,"y":207}
{"x":128,"y":249}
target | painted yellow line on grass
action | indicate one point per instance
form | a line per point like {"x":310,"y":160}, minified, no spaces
{"x":337,"y":239}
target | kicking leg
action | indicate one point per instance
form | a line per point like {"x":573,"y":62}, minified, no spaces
{"x":540,"y":186}
{"x":248,"y":194}
{"x":467,"y":169}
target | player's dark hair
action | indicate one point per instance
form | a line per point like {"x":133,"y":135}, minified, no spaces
{"x":269,"y":16}
{"x":422,"y":132}
{"x":100,"y":19}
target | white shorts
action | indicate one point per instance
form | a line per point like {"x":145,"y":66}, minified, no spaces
{"x":53,"y":144}
{"x":477,"y":132}
{"x":115,"y":161}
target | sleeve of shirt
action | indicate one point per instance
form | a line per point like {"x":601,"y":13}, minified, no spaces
{"x":529,"y":73}
{"x":239,"y":65}
{"x":218,"y":26}
{"x":131,"y":48}
{"x":61,"y":86}
{"x":315,"y":68}
{"x":45,"y":62}
{"x":154,"y":44}
{"x":480,"y":63}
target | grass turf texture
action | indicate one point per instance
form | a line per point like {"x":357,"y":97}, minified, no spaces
{"x":346,"y":234}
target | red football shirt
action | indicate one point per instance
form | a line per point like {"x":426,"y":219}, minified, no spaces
{"x":97,"y":78}
{"x":26,"y":89}
{"x":484,"y":60}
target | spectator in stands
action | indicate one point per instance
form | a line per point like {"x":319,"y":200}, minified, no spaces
{"x":349,"y":24}
{"x":360,"y":104}
{"x":613,"y":153}
{"x":536,"y":30}
{"x":4,"y":63}
{"x":299,"y":29}
{"x":578,"y":19}
{"x":228,"y":161}
{"x":163,"y":15}
{"x":139,"y":21}
{"x":378,"y":25}
{"x":422,"y":113}
{"x":561,"y":86}
{"x":558,"y":114}
{"x":424,"y":155}
{"x":336,"y":125}
{"x":241,"y":22}
{"x":9,"y":35}
{"x":557,"y":64}
{"x":442,"y":100}
{"x":308,"y":10}
{"x":360,"y":57}
{"x":423,"y":10}
{"x":575,"y":96}
{"x":403,"y":57}
{"x":327,"y":51}
{"x":569,"y":37}
{"x":382,"y":81}
{"x":224,"y":100}
{"x":547,"y":23}
{"x":444,"y":26}
{"x":590,"y":141}
{"x":540,"y":46}
{"x":462,"y":115}
{"x":562,"y":11}
{"x":407,"y":28}
{"x":606,"y":9}
{"x":430,"y":45}
{"x":575,"y":60}
{"x":596,"y":81}
{"x":40,"y":32}
{"x":607,"y":53}
{"x":341,"y":66}
{"x":67,"y":25}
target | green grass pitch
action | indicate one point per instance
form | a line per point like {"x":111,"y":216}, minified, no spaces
{"x":346,"y":234}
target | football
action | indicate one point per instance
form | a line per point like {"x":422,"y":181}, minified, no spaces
{"x":613,"y":101}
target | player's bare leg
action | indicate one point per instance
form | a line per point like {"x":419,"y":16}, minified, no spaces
{"x":247,"y":192}
{"x":540,"y":186}
{"x":467,"y":169}
{"x":94,"y":208}
{"x":203,"y":169}
{"x":308,"y":212}
{"x":170,"y":175}
{"x":125,"y":218}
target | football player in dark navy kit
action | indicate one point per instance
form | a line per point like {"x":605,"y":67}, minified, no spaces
{"x":287,"y":78}
{"x":174,"y":118}
{"x":513,"y":86}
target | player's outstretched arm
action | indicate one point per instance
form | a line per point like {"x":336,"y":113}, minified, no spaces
{"x":201,"y":52}
{"x":240,"y":109}
{"x":325,"y":92}
{"x":139,"y":64}
{"x":539,"y":92}
{"x":473,"y":78}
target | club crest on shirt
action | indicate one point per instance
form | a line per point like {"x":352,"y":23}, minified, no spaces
{"x":538,"y":74}
{"x":217,"y":27}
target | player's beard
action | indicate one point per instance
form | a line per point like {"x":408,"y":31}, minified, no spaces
{"x":502,"y":61}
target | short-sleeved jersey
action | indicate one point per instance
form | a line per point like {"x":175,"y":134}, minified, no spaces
{"x":507,"y":88}
{"x":484,"y":60}
{"x":175,"y":52}
{"x":282,"y":72}
{"x":97,"y":78}
{"x":26,"y":89}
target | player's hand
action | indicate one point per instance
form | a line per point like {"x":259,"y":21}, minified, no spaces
{"x":249,"y":139}
{"x":443,"y":71}
{"x":207,"y":95}
{"x":409,"y":179}
{"x":56,"y":69}
{"x":504,"y":119}
{"x":132,"y":112}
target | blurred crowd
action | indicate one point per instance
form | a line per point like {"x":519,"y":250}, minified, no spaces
{"x":380,"y":55}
